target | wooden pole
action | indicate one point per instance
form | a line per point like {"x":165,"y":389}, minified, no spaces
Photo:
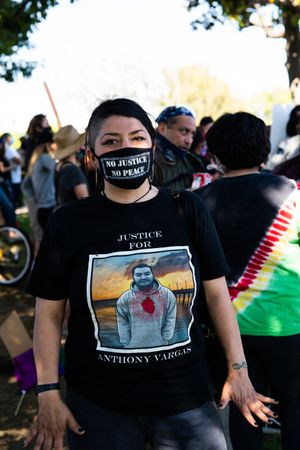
{"x":52,"y":104}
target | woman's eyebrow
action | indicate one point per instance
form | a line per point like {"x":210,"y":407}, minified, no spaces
{"x":117,"y":134}
{"x":137,"y":131}
{"x":110,"y":134}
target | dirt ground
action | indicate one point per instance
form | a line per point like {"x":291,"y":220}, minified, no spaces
{"x":13,"y":428}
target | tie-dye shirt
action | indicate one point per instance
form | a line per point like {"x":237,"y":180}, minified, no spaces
{"x":258,"y":220}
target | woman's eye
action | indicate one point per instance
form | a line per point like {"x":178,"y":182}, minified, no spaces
{"x":138,"y":138}
{"x":109,"y":142}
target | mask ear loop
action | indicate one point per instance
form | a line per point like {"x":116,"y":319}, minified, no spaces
{"x":150,"y":178}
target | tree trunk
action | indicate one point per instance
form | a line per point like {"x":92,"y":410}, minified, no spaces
{"x":292,"y":36}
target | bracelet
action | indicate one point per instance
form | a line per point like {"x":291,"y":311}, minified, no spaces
{"x":46,"y":387}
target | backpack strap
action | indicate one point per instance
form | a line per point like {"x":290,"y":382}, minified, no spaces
{"x":214,"y":350}
{"x":185,"y":214}
{"x":187,"y":217}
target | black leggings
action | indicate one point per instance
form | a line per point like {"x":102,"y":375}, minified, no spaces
{"x":274,"y":369}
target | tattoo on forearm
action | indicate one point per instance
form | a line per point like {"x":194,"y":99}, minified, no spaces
{"x":238,"y":366}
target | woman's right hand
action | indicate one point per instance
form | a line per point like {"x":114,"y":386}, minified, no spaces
{"x":52,"y":420}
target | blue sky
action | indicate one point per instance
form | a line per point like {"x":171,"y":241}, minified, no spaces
{"x":92,"y":49}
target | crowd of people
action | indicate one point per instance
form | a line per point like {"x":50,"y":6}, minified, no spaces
{"x":44,"y":173}
{"x":114,"y":251}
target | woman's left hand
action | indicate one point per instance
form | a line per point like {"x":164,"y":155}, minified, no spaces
{"x":238,"y":388}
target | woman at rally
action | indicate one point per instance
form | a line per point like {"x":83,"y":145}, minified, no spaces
{"x":135,"y":365}
{"x":257,"y":216}
{"x":70,"y":181}
{"x":35,"y":135}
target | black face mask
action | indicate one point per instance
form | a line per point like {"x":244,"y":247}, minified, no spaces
{"x":126,"y":168}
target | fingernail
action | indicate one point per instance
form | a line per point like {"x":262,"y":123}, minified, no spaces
{"x":270,"y":421}
{"x":80,"y":430}
{"x":276,"y":401}
{"x":275,"y":415}
{"x":220,"y":405}
{"x":24,"y":444}
{"x":255,"y":424}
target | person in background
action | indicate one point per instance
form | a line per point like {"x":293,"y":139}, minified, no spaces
{"x":90,"y":168}
{"x":174,"y":164}
{"x":197,"y":145}
{"x":14,"y":159}
{"x":7,"y":211}
{"x":30,"y":202}
{"x":290,"y":147}
{"x":30,"y":198}
{"x":212,"y":170}
{"x":38,"y":126}
{"x":257,"y":216}
{"x":289,"y":168}
{"x":70,"y":181}
{"x":41,"y":170}
{"x":117,"y":398}
{"x":5,"y":173}
{"x":204,"y":125}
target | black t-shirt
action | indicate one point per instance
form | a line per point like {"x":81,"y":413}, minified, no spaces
{"x":66,"y":179}
{"x":135,"y":342}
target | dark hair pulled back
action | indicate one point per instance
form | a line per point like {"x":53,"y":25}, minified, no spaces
{"x":239,"y":141}
{"x":120,"y":107}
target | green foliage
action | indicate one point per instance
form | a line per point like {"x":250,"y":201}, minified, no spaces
{"x":214,"y":11}
{"x":18,"y":18}
{"x":262,"y":103}
{"x":24,"y":223}
{"x":196,"y":88}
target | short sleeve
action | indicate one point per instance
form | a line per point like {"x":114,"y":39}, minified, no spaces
{"x":49,"y":278}
{"x":73,"y":177}
{"x":47,"y":161}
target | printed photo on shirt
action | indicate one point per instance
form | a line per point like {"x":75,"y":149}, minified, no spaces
{"x":141,"y":301}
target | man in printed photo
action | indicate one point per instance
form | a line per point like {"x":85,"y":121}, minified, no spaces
{"x":146,"y":313}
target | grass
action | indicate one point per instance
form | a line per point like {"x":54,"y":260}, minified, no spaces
{"x":23,"y":223}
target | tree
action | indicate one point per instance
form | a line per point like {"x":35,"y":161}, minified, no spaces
{"x":18,"y":18}
{"x":262,"y":103}
{"x":193,"y":86}
{"x":278,"y":18}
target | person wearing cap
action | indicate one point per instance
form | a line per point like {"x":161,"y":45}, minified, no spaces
{"x":70,"y":181}
{"x":174,"y":164}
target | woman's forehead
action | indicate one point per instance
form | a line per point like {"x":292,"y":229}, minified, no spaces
{"x":117,"y":124}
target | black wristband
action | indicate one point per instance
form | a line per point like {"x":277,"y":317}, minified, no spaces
{"x":46,"y":387}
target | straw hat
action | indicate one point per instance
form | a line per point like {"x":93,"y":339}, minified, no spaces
{"x":68,"y":141}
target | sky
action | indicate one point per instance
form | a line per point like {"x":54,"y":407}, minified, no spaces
{"x":112,"y":276}
{"x":94,"y":49}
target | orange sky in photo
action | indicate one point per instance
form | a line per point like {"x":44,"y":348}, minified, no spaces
{"x":114,"y":284}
